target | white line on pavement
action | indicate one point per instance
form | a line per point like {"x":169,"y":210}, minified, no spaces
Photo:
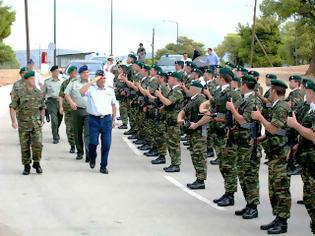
{"x":131,"y":146}
{"x":192,"y":193}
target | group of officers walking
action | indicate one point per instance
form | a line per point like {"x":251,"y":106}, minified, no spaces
{"x":223,"y":110}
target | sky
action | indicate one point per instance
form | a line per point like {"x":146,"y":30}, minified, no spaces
{"x":84,"y":25}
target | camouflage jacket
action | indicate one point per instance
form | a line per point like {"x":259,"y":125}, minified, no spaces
{"x":176,"y":96}
{"x":236,"y":97}
{"x":29,"y":104}
{"x":295,"y":98}
{"x":16,"y":86}
{"x":65,"y":105}
{"x":192,"y":108}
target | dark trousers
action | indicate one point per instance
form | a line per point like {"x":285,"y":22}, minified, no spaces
{"x":81,"y":129}
{"x":100,"y":126}
{"x":53,"y":110}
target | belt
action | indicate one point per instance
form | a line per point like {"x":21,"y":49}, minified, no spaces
{"x":100,"y":117}
{"x":81,"y":108}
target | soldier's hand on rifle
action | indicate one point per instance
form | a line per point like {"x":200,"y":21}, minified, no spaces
{"x":158,"y":93}
{"x":193,"y":126}
{"x":256,"y":115}
{"x":291,"y":121}
{"x":229,"y":105}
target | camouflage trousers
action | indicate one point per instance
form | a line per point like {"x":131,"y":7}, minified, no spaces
{"x":31,"y":145}
{"x":55,"y":117}
{"x":172,"y":137}
{"x":123,"y":111}
{"x":159,"y":137}
{"x":279,"y":185}
{"x":150,"y":131}
{"x":140,"y":123}
{"x":132,"y":113}
{"x":309,"y":196}
{"x":69,"y":128}
{"x":198,"y":152}
{"x":248,"y":174}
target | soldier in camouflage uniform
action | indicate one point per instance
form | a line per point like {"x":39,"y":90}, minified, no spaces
{"x":197,"y":134}
{"x":27,"y":111}
{"x":247,"y":163}
{"x":306,"y":151}
{"x":173,"y":103}
{"x":276,"y":148}
{"x":256,"y":75}
{"x":65,"y":108}
{"x":20,"y":83}
{"x":295,"y":97}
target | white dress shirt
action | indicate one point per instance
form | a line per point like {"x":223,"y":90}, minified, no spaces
{"x":100,"y":101}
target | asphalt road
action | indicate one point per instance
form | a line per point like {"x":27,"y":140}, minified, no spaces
{"x":136,"y":198}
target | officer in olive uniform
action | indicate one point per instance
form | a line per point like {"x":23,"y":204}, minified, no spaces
{"x":306,"y":151}
{"x":65,"y":108}
{"x":190,"y":118}
{"x":276,"y":148}
{"x":27,"y":111}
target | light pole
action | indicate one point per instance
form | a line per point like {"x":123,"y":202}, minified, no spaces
{"x":55,"y":38}
{"x":28,"y":54}
{"x":253,"y":36}
{"x":111,"y":27}
{"x":176,"y":22}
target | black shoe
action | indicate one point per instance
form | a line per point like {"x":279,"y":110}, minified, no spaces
{"x":134,"y":136}
{"x":104,"y":170}
{"x":241,"y":212}
{"x":184,"y":139}
{"x":210,"y":153}
{"x":118,"y":118}
{"x":129,"y":132}
{"x":228,"y":200}
{"x":123,"y":127}
{"x":215,"y":162}
{"x":27,"y":169}
{"x":159,"y":160}
{"x":72,"y":149}
{"x":270,"y":225}
{"x":55,"y":141}
{"x":58,"y":137}
{"x":301,"y":202}
{"x":154,"y":153}
{"x":144,"y":147}
{"x":197,"y":185}
{"x":171,"y":169}
{"x":219,"y":199}
{"x":139,"y":142}
{"x":47,"y":118}
{"x":266,"y":162}
{"x":79,"y":157}
{"x":188,"y":148}
{"x":251,"y":213}
{"x":296,"y":170}
{"x":280,"y":227}
{"x":87,"y":159}
{"x":37,"y":167}
{"x":186,"y":143}
{"x":92,"y":164}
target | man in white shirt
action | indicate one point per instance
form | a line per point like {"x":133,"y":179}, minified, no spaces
{"x":101,"y":106}
{"x":185,"y":57}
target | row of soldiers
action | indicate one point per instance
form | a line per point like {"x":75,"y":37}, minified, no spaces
{"x":224,"y":110}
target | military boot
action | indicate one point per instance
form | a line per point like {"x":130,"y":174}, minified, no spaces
{"x":37,"y":167}
{"x":198,"y":184}
{"x":280,"y":227}
{"x":27,"y":169}
{"x":250,"y":213}
{"x":160,"y":160}
{"x":270,"y":225}
{"x":219,"y":199}
{"x":228,"y":200}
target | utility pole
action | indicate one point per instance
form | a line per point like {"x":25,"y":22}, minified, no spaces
{"x":28,"y":54}
{"x":111,"y":27}
{"x":153,"y":35}
{"x":177,"y":26}
{"x":55,"y":49}
{"x":253,"y":36}
{"x":177,"y":32}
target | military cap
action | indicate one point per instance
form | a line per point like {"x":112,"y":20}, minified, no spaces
{"x":254,"y":73}
{"x":177,"y":75}
{"x":209,"y":71}
{"x":241,"y":68}
{"x":198,"y":71}
{"x":179,"y":63}
{"x":141,"y":64}
{"x":230,"y":65}
{"x":279,"y":83}
{"x":188,"y":63}
{"x":226,"y":71}
{"x":22,"y":69}
{"x":138,"y":63}
{"x":218,"y":66}
{"x":30,"y":62}
{"x":305,"y":80}
{"x":163,"y":74}
{"x":71,"y":69}
{"x":310,"y":85}
{"x":169,"y":73}
{"x":197,"y":84}
{"x":271,"y":76}
{"x":99,"y":73}
{"x":83,"y":68}
{"x":156,"y":67}
{"x":29,"y":74}
{"x":248,"y":79}
{"x":54,"y":68}
{"x":133,"y":56}
{"x":237,"y":79}
{"x":295,"y":77}
{"x":147,"y":67}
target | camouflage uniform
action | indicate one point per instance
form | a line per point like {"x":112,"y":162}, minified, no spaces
{"x":173,"y":131}
{"x":16,"y":86}
{"x":68,"y":113}
{"x":28,"y":104}
{"x":134,"y":105}
{"x":122,"y":92}
{"x":277,"y":150}
{"x":296,"y":98}
{"x":142,"y":119}
{"x":197,"y":141}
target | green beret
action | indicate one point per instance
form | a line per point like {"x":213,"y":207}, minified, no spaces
{"x":305,"y":80}
{"x":209,"y":71}
{"x":279,"y":83}
{"x":147,"y":67}
{"x":295,"y":77}
{"x":271,"y":76}
{"x":157,"y":68}
{"x":310,"y":85}
{"x":254,"y":73}
{"x":177,"y":75}
{"x":141,"y":64}
{"x":23,"y":69}
{"x":230,"y":65}
{"x":29,"y":74}
{"x":179,"y":63}
{"x":199,"y":72}
{"x":133,"y":56}
{"x":188,"y":63}
{"x":196,"y":83}
{"x":248,"y":79}
{"x":71,"y":69}
{"x":241,"y":68}
{"x":218,"y":66}
{"x":226,"y":71}
{"x":237,"y":79}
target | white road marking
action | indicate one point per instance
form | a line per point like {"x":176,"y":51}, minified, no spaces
{"x":192,"y":193}
{"x":132,"y":146}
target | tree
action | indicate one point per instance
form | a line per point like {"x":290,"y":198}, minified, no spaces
{"x":303,"y":10}
{"x":185,"y":44}
{"x":267,"y":31}
{"x":7,"y":17}
{"x":230,"y":47}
